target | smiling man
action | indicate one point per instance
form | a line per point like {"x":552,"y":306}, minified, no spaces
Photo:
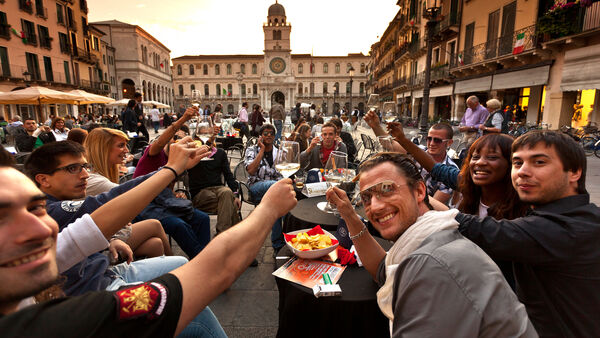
{"x":554,"y":249}
{"x":439,"y":139}
{"x":319,"y":149}
{"x":434,"y":282}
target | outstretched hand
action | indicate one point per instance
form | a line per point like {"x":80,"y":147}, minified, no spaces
{"x":280,"y":198}
{"x":181,"y":153}
{"x":339,"y":198}
{"x":372,"y":119}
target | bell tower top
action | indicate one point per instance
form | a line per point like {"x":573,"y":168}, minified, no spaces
{"x":277,"y":30}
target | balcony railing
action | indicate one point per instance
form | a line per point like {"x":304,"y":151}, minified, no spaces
{"x":30,"y":39}
{"x":451,"y":20}
{"x":416,"y":46}
{"x":400,"y":82}
{"x":42,"y":12}
{"x":85,"y":56}
{"x":46,"y":42}
{"x":65,"y":48}
{"x":440,"y":73}
{"x":401,"y":51}
{"x":576,"y":20}
{"x":495,"y":48}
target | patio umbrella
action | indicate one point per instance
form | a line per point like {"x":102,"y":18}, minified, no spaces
{"x":305,"y":105}
{"x":152,"y":103}
{"x":91,"y":98}
{"x":122,"y":102}
{"x":38,"y":96}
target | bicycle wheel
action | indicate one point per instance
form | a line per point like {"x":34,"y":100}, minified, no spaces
{"x":588,"y":143}
{"x":597,"y":152}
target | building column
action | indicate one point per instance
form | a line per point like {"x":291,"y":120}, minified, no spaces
{"x":459,"y":107}
{"x":558,"y":108}
{"x":432,"y":107}
{"x":535,"y":102}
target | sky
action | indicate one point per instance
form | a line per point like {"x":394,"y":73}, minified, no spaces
{"x":323,"y":27}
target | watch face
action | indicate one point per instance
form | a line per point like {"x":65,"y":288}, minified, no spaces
{"x":277,"y":65}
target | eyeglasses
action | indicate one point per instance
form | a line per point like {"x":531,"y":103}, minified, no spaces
{"x":74,"y":168}
{"x":268,"y":133}
{"x":382,"y":190}
{"x":436,"y":139}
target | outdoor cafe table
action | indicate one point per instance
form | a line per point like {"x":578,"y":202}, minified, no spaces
{"x":307,"y":215}
{"x":353,"y":314}
{"x":228,"y":142}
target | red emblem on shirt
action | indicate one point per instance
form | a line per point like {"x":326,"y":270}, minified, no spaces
{"x":138,"y":300}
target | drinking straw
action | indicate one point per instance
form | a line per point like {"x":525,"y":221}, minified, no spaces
{"x":333,"y":163}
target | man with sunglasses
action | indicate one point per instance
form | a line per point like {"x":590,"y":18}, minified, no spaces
{"x":439,"y":139}
{"x":260,"y":164}
{"x":434,"y":282}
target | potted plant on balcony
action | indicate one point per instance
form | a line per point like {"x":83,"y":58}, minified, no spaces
{"x":559,"y":21}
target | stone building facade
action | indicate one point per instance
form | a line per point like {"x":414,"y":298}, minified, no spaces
{"x":277,"y":75}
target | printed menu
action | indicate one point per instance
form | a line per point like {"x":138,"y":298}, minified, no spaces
{"x":308,"y":272}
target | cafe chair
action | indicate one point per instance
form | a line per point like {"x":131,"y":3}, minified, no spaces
{"x":368,"y":145}
{"x":125,"y":178}
{"x":241,"y":176}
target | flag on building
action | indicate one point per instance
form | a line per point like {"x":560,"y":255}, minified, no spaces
{"x":460,"y":59}
{"x":519,"y":44}
{"x":224,"y":91}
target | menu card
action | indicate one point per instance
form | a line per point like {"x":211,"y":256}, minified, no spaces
{"x":315,"y":189}
{"x":309,"y":273}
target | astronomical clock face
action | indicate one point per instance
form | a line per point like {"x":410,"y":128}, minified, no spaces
{"x":277,"y":65}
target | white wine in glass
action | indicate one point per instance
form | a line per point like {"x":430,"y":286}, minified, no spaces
{"x":217,"y":119}
{"x":287,"y":130}
{"x":204,"y":131}
{"x":389,"y":116}
{"x":335,"y":173}
{"x":287,"y":161}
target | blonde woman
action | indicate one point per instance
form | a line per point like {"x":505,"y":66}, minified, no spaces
{"x":106,"y":149}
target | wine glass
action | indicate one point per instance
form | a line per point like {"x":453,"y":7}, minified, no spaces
{"x":204,"y":130}
{"x":373,"y":102}
{"x":386,"y":142}
{"x":335,"y":172}
{"x":287,"y":130}
{"x":287,"y":161}
{"x":217,"y":119}
{"x":389,"y":116}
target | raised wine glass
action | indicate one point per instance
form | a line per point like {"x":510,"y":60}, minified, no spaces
{"x":287,"y":130}
{"x":204,"y":131}
{"x":335,"y":172}
{"x":386,"y":142}
{"x":287,"y":161}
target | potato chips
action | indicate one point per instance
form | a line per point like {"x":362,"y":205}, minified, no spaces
{"x":304,"y":242}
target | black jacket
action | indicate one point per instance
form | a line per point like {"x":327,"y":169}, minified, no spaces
{"x":130,"y":120}
{"x":555,"y":251}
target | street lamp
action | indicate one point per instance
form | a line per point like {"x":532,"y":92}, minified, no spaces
{"x":240,"y":78}
{"x":351,"y":74}
{"x":431,"y":13}
{"x":27,"y":77}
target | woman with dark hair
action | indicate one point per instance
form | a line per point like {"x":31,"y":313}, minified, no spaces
{"x":302,"y":136}
{"x":256,"y":120}
{"x":58,"y":129}
{"x":130,"y":122}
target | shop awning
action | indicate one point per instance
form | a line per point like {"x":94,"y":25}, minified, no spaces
{"x":522,"y":78}
{"x":480,"y":84}
{"x":582,"y":69}
{"x":440,"y":91}
{"x":417,"y":94}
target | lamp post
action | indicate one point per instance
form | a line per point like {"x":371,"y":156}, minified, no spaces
{"x":27,"y":78}
{"x":351,"y":74}
{"x":240,"y":78}
{"x":432,"y":15}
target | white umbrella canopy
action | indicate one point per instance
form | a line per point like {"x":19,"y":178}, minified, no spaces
{"x":305,"y":105}
{"x":38,"y":96}
{"x":91,"y":98}
{"x":122,"y":102}
{"x":152,"y":103}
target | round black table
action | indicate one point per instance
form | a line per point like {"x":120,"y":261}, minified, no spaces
{"x":306,"y":215}
{"x":353,"y":314}
{"x":228,"y":142}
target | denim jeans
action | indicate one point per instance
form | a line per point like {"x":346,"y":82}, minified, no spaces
{"x":156,"y":125}
{"x":205,"y":324}
{"x":257,"y":191}
{"x":279,"y":127}
{"x":143,"y":270}
{"x":191,"y":236}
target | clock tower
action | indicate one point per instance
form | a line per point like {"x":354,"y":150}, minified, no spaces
{"x":277,"y":82}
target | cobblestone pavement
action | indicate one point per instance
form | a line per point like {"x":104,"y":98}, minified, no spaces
{"x":249,"y":307}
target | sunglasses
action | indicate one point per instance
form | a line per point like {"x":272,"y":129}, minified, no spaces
{"x":74,"y":168}
{"x":436,"y":139}
{"x":381,"y":190}
{"x":268,"y":133}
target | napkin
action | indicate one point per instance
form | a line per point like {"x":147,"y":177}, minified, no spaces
{"x":345,"y":257}
{"x":314,"y":231}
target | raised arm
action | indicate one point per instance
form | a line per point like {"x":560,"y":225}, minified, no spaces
{"x":373,"y":121}
{"x":167,"y":135}
{"x":370,"y":252}
{"x":419,"y":154}
{"x":229,"y":254}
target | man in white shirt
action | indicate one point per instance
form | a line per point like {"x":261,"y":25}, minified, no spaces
{"x":155,"y":117}
{"x":243,"y":119}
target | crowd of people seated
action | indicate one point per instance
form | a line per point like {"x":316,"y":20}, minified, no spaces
{"x":505,"y":245}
